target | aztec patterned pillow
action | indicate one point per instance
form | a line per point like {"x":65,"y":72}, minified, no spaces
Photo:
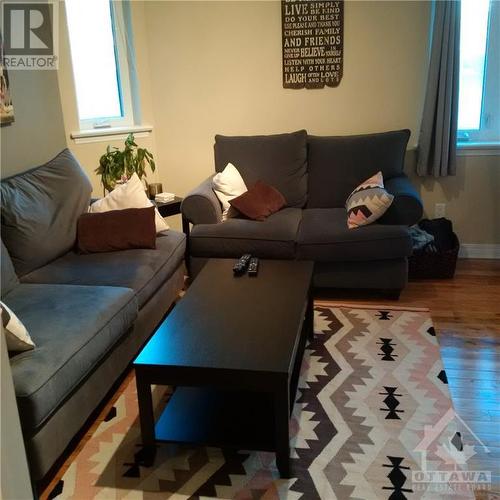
{"x":16,"y":335}
{"x":368,"y":202}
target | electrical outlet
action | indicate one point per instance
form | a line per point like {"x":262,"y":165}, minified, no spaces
{"x":440,"y":210}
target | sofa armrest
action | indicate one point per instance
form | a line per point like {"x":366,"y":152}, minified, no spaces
{"x":201,"y":205}
{"x":407,"y":207}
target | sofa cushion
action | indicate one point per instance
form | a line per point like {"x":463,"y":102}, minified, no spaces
{"x":324,"y":237}
{"x":273,"y":238}
{"x":73,"y":328}
{"x":279,"y":160}
{"x":8,"y":277}
{"x":143,"y":270}
{"x":338,"y":164}
{"x":40,"y":208}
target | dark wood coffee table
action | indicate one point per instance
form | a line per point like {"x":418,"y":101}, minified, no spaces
{"x":232,"y":348}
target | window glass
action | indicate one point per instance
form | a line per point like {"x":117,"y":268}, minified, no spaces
{"x":99,"y":63}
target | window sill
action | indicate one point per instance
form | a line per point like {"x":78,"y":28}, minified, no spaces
{"x":115,"y":133}
{"x":478,"y":149}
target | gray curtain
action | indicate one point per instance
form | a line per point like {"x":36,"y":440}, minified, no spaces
{"x":438,"y":133}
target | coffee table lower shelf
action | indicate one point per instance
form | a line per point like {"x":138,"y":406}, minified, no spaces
{"x":226,"y":419}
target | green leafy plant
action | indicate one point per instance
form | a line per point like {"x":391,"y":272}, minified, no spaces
{"x":119,"y":165}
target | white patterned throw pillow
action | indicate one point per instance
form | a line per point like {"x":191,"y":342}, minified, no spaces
{"x":131,"y":194}
{"x":227,"y":185}
{"x":368,"y":202}
{"x":16,"y":335}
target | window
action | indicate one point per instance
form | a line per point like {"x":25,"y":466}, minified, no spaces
{"x":99,"y":56}
{"x":479,"y":95}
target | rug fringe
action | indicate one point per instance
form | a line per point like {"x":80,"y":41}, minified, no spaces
{"x":366,"y":305}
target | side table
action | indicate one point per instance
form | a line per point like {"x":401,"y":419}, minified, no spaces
{"x":173,"y":207}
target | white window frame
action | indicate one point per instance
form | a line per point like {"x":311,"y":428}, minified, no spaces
{"x":488,"y":135}
{"x":123,"y":72}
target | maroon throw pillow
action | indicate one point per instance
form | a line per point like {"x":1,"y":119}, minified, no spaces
{"x":259,"y":202}
{"x":117,"y":230}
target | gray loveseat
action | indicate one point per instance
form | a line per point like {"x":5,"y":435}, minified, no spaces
{"x":315,"y":175}
{"x":87,"y":314}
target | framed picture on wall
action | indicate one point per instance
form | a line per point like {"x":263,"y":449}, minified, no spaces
{"x":6,"y":107}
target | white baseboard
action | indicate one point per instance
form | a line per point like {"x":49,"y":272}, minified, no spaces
{"x":479,"y":251}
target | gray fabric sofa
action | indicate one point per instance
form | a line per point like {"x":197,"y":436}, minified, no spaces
{"x":87,"y":314}
{"x":315,"y":175}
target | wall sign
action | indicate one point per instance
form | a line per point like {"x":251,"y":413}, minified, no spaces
{"x":313,"y":39}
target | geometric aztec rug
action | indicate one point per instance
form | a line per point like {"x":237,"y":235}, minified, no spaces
{"x":373,"y":419}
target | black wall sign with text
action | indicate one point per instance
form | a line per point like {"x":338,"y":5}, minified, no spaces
{"x":313,"y":39}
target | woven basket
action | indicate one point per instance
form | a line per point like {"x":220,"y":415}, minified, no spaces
{"x":434,"y":265}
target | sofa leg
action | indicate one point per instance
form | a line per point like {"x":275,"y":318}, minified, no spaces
{"x":392,"y":293}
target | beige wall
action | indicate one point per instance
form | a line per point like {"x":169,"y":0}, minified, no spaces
{"x":472,"y":198}
{"x":216,"y":68}
{"x":88,"y":154}
{"x":37,"y":133}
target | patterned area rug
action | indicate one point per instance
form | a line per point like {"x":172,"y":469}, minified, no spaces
{"x":373,"y":419}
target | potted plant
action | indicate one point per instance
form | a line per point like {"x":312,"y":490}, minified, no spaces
{"x":119,"y":165}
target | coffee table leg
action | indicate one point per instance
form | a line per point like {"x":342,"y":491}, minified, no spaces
{"x":187,"y":258}
{"x":309,"y":319}
{"x":145,"y":411}
{"x":282,"y":435}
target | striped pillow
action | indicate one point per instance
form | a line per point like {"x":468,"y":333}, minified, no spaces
{"x":368,"y":202}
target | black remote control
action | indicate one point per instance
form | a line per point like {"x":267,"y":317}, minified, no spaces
{"x":241,"y":265}
{"x":253,"y":267}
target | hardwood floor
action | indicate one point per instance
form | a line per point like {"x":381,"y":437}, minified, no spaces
{"x":467,"y":319}
{"x":466,"y":314}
